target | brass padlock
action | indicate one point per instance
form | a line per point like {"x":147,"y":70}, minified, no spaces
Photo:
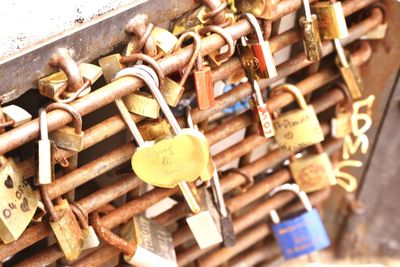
{"x":44,"y":153}
{"x":172,"y":91}
{"x":298,"y":128}
{"x":142,"y":103}
{"x":264,"y":9}
{"x":261,"y":111}
{"x":110,"y":65}
{"x":313,"y":172}
{"x":153,"y":130}
{"x":143,"y":244}
{"x":311,"y":39}
{"x":341,"y":124}
{"x":16,"y":114}
{"x":18,"y":201}
{"x":349,"y":72}
{"x":68,"y":137}
{"x":256,"y":55}
{"x":190,"y":21}
{"x":65,"y":227}
{"x":331,"y":20}
{"x":165,"y":40}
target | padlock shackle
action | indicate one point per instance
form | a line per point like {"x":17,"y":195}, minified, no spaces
{"x":347,"y":103}
{"x":72,"y":111}
{"x":81,"y":214}
{"x":196,"y":56}
{"x":292,"y":188}
{"x":62,"y":59}
{"x":48,"y":204}
{"x":256,"y":27}
{"x":105,"y":234}
{"x":227,"y":37}
{"x":307,"y":9}
{"x":341,"y":53}
{"x":189,"y":120}
{"x":149,"y":60}
{"x":71,"y":96}
{"x":140,"y":27}
{"x":43,"y":127}
{"x":290,"y":88}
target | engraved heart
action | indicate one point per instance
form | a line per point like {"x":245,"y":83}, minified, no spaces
{"x":9,"y":182}
{"x":289,"y":135}
{"x":172,"y":160}
{"x":24,"y":205}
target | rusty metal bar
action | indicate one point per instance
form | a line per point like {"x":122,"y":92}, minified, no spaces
{"x":256,"y":255}
{"x":98,"y":257}
{"x":105,"y":95}
{"x":249,"y":238}
{"x":31,"y":236}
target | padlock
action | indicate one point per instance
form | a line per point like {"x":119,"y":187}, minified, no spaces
{"x":165,"y":40}
{"x":172,"y":91}
{"x":18,"y":201}
{"x":349,"y":73}
{"x":141,"y":29}
{"x":143,"y":242}
{"x":215,"y":56}
{"x":142,"y":103}
{"x":331,"y":20}
{"x":298,"y":234}
{"x":261,"y":111}
{"x":341,"y":124}
{"x":203,"y":85}
{"x":263,"y":9}
{"x":311,"y":39}
{"x":68,"y":137}
{"x":153,"y":130}
{"x":204,"y":222}
{"x":190,"y":21}
{"x":16,"y":114}
{"x":44,"y":153}
{"x":177,"y":158}
{"x":298,"y":128}
{"x":64,"y":224}
{"x":313,"y":172}
{"x":110,"y":65}
{"x":256,"y":55}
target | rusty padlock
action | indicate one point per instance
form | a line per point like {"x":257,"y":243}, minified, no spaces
{"x":140,"y":27}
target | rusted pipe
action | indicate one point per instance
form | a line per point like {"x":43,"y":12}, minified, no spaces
{"x":265,"y":252}
{"x":98,"y":257}
{"x":105,"y":95}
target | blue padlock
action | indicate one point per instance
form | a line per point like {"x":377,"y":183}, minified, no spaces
{"x":299,"y":234}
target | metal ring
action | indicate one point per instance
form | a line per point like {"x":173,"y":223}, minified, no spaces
{"x":111,"y":238}
{"x":63,"y":60}
{"x":227,"y":37}
{"x":73,"y":112}
{"x":149,"y":60}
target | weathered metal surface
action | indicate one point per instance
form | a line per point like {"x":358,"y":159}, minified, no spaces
{"x":20,"y":72}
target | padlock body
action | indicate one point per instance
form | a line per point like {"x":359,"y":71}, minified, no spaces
{"x":172,"y":92}
{"x":263,"y":9}
{"x":165,"y":40}
{"x":143,"y":104}
{"x":110,"y":65}
{"x":351,"y":77}
{"x":227,"y":230}
{"x":265,"y":124}
{"x":154,"y":130}
{"x":67,"y":231}
{"x":204,"y":88}
{"x":341,"y":125}
{"x":44,"y":160}
{"x":154,"y":243}
{"x":66,"y":137}
{"x":257,"y":58}
{"x":311,"y":38}
{"x":90,"y":239}
{"x":298,"y":129}
{"x":90,"y":72}
{"x":313,"y":172}
{"x":331,"y":20}
{"x":18,"y":202}
{"x":301,"y":235}
{"x":52,"y":84}
{"x":17,"y":114}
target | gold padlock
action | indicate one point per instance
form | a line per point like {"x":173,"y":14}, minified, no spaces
{"x":256,"y":55}
{"x":153,"y":130}
{"x":341,"y":124}
{"x":68,"y":137}
{"x":263,"y":9}
{"x":44,"y":153}
{"x":311,"y":39}
{"x":313,"y":172}
{"x":143,"y":242}
{"x":18,"y":201}
{"x":331,"y":20}
{"x":298,"y":128}
{"x":65,"y":227}
{"x":172,"y":91}
{"x":165,"y":40}
{"x":142,"y":103}
{"x":349,"y":72}
{"x":111,"y":65}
